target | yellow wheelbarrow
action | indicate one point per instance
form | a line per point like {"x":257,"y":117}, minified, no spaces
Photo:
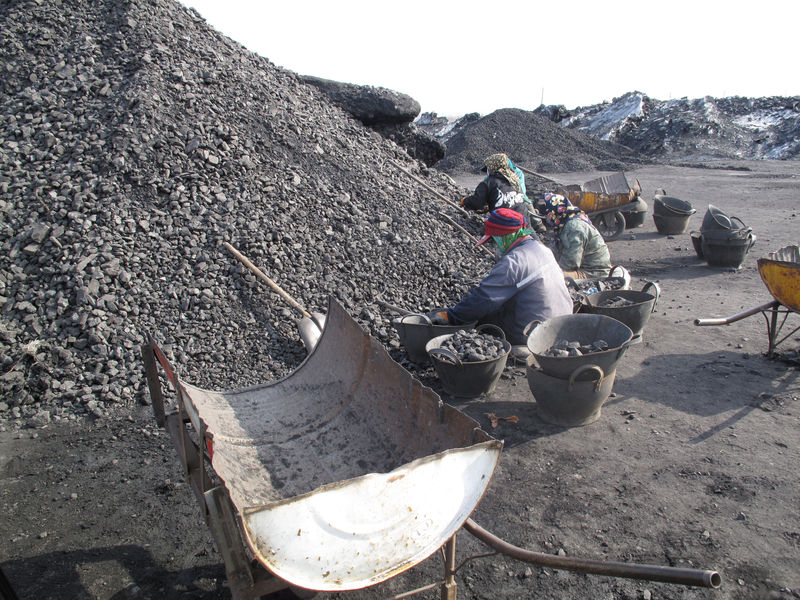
{"x":780,"y":272}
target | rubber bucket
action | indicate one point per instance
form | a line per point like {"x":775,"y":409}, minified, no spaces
{"x":584,"y":329}
{"x":416,"y":330}
{"x":669,"y":206}
{"x":635,"y":315}
{"x":467,"y":379}
{"x":727,"y":252}
{"x":671,"y":224}
{"x":572,"y":401}
{"x":635,"y":215}
{"x":716,"y":220}
{"x":697,"y":243}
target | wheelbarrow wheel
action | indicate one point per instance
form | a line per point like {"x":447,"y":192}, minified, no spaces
{"x":610,"y":224}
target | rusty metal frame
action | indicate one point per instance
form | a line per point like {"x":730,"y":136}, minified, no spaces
{"x":771,"y":311}
{"x":247,"y":579}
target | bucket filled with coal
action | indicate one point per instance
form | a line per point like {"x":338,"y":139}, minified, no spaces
{"x":562,"y":344}
{"x":416,"y":330}
{"x":631,"y":307}
{"x":469,"y":362}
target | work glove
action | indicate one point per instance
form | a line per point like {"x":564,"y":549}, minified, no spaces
{"x":461,"y":202}
{"x":438,"y":317}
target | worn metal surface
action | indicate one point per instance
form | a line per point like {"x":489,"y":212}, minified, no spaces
{"x":780,"y":272}
{"x":359,"y":532}
{"x":305,"y":454}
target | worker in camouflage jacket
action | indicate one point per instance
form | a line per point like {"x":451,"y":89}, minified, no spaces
{"x":580,"y":250}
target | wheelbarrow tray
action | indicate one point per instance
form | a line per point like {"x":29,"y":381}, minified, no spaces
{"x":344,"y":473}
{"x":780,"y":272}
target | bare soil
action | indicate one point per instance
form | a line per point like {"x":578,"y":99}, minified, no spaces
{"x":693,"y":462}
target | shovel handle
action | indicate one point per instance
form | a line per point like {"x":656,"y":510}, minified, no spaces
{"x":275,"y":287}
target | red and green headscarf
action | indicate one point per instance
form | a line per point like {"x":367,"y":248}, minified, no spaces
{"x":506,"y":227}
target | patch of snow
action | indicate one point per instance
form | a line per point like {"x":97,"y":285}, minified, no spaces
{"x":762,"y":119}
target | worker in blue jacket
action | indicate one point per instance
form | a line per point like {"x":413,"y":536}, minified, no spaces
{"x":525,"y":284}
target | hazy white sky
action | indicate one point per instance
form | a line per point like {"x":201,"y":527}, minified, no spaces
{"x":456,"y":57}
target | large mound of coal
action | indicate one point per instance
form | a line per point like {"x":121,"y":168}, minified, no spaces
{"x":135,"y":141}
{"x":532,"y":141}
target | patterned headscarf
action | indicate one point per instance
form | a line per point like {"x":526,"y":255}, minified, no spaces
{"x":558,"y":210}
{"x":499,"y":163}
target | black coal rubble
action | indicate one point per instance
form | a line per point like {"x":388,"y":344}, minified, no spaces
{"x":633,"y":127}
{"x":469,"y":345}
{"x":562,"y":348}
{"x":388,"y":112}
{"x":616,"y":302}
{"x":534,"y":142}
{"x":135,"y":141}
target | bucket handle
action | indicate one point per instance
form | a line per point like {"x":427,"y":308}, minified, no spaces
{"x":530,"y":327}
{"x":481,"y":328}
{"x":583,"y":369}
{"x":752,"y":240}
{"x":423,"y":315}
{"x":451,"y":358}
{"x":656,"y":292}
{"x":743,"y":224}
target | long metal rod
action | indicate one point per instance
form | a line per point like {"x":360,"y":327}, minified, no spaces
{"x":695,"y":577}
{"x":393,"y":308}
{"x":738,"y":316}
{"x":429,"y":188}
{"x":529,"y":172}
{"x":457,"y":226}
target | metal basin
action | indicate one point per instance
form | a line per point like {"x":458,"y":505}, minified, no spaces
{"x":633,"y":315}
{"x":570,"y":402}
{"x":466,"y":379}
{"x":416,"y":330}
{"x":347,"y":471}
{"x":585,"y":329}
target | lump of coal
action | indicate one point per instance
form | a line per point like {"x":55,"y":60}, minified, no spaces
{"x":616,"y":302}
{"x":573,"y":348}
{"x":472,"y":346}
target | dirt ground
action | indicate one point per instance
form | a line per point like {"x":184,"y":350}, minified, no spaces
{"x":693,"y":463}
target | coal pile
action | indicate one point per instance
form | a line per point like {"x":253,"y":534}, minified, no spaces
{"x":469,"y":345}
{"x":532,"y":141}
{"x":135,"y":141}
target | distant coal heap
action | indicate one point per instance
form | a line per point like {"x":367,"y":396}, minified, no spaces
{"x":633,"y":127}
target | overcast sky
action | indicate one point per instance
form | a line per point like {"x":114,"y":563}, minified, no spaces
{"x":459,"y":57}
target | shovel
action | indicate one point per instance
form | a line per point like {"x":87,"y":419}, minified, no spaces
{"x":310,"y":325}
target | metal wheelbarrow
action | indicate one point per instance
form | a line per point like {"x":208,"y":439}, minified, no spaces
{"x":780,"y":272}
{"x":342,"y":474}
